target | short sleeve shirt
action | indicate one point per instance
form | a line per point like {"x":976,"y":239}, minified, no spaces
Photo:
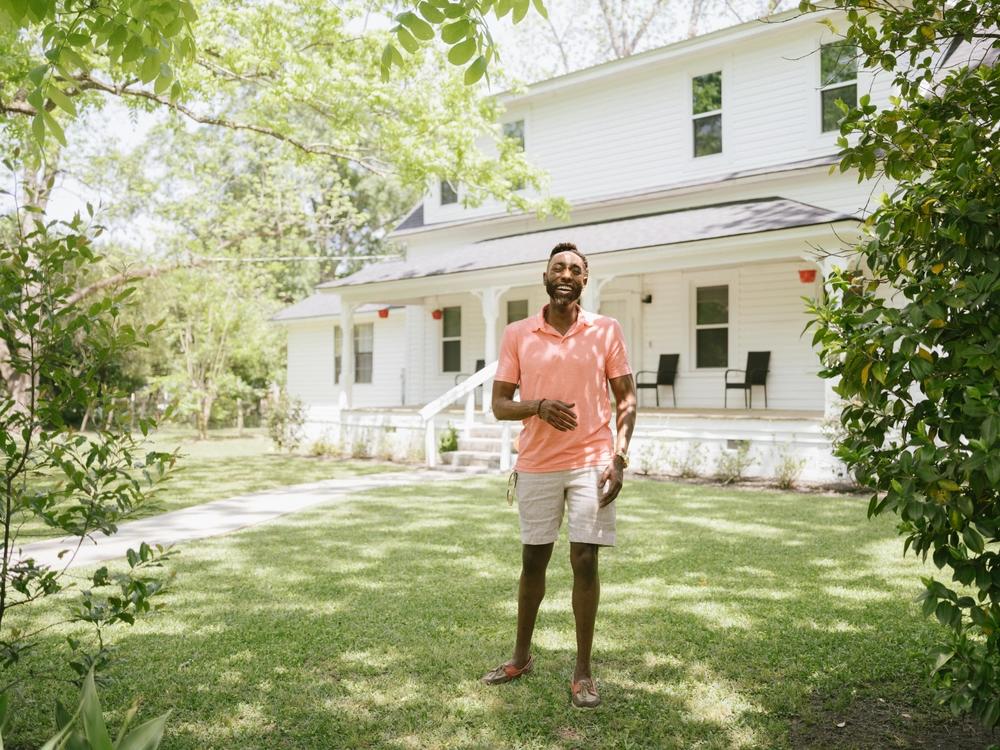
{"x":574,"y":368}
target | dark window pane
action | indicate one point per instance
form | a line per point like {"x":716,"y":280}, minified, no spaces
{"x":517,"y":309}
{"x":713,"y":347}
{"x":452,"y":356}
{"x":706,"y":93}
{"x":515,"y":132}
{"x":712,"y":305}
{"x":452,"y":322}
{"x":363,"y":367}
{"x":708,"y":135}
{"x":838,"y":62}
{"x":831,"y":112}
{"x":337,"y":344}
{"x":448,"y":193}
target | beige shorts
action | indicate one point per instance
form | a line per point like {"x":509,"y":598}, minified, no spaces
{"x":541,"y":499}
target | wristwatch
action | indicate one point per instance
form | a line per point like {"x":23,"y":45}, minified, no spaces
{"x":624,"y":457}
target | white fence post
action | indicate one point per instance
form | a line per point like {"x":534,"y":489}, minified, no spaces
{"x":505,"y":447}
{"x":470,"y":414}
{"x":430,"y":444}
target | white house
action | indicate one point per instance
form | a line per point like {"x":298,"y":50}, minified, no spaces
{"x":700,"y":181}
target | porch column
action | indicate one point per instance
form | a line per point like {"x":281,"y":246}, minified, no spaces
{"x":590,"y":300}
{"x":490,"y":299}
{"x":346,"y":354}
{"x":831,"y":401}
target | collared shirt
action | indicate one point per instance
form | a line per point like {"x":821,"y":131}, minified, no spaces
{"x":574,"y":368}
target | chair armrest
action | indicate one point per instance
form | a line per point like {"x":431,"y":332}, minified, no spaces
{"x":644,"y":372}
{"x":733,"y":370}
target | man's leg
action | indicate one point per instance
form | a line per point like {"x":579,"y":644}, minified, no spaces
{"x":531,"y":591}
{"x":586,"y":594}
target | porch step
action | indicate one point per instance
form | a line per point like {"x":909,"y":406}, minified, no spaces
{"x":464,"y":458}
{"x":491,"y":431}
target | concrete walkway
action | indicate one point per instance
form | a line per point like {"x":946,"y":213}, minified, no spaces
{"x":218,"y":517}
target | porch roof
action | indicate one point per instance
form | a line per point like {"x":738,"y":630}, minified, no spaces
{"x":321,"y":306}
{"x":617,"y":235}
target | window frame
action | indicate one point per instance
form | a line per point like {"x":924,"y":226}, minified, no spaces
{"x":721,"y":71}
{"x":451,"y":339}
{"x":824,"y":88}
{"x":338,"y":353}
{"x":441,"y":200}
{"x":366,"y":357}
{"x":693,"y":280}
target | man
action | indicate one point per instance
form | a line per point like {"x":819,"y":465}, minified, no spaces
{"x":563,"y":359}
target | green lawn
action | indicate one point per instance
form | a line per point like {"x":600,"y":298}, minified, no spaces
{"x":226,"y":465}
{"x":729,"y":619}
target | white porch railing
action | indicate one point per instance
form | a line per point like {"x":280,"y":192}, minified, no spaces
{"x":466,"y":388}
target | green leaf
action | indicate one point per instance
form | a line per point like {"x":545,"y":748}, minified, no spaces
{"x":990,"y":429}
{"x":973,"y":540}
{"x":133,"y":50}
{"x":454,"y":32}
{"x":38,"y":129}
{"x":475,"y":71}
{"x":944,"y":612}
{"x":406,"y":40}
{"x":431,"y":13}
{"x":520,"y":10}
{"x":53,"y":125}
{"x":540,"y":8}
{"x":4,"y":706}
{"x":943,"y":657}
{"x":145,"y":736}
{"x":150,"y":66}
{"x":37,"y":75}
{"x":462,"y":52}
{"x":418,"y":26}
{"x":62,"y":101}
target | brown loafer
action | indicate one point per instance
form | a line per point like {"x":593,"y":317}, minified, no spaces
{"x":507,"y":672}
{"x":585,"y":693}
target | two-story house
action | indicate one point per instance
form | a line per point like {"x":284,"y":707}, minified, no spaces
{"x":700,"y":181}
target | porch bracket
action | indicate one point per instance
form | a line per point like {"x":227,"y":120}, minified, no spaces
{"x":347,"y":354}
{"x":591,"y":298}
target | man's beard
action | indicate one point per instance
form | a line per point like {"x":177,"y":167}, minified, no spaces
{"x":560,"y":297}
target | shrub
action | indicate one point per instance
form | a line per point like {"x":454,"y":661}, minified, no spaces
{"x":448,"y":440}
{"x":323,"y":447}
{"x":787,"y":469}
{"x":687,"y":462}
{"x":732,"y":464}
{"x":285,"y":419}
{"x":649,"y":458}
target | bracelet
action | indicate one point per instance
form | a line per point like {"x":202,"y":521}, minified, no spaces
{"x":538,"y":411}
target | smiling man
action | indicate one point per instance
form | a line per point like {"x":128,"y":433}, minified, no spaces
{"x":563,"y":359}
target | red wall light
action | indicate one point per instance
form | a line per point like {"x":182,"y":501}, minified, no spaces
{"x":437,"y":314}
{"x":384,"y":312}
{"x":807,"y":275}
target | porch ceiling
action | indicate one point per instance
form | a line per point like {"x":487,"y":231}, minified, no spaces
{"x":630,"y":236}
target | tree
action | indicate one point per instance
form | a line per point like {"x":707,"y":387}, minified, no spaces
{"x":910,"y":333}
{"x":73,"y":484}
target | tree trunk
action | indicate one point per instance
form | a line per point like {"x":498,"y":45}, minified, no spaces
{"x":204,"y":414}
{"x":86,"y":418}
{"x":239,"y":417}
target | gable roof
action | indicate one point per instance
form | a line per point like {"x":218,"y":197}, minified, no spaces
{"x":617,"y":235}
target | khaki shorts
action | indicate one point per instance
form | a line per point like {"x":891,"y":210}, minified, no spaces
{"x":542,"y":497}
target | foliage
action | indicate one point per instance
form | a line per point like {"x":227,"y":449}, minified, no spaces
{"x":85,"y":729}
{"x":731,"y":465}
{"x":787,"y":469}
{"x":689,"y":462}
{"x":75,"y":485}
{"x":913,"y":333}
{"x":649,"y":457}
{"x":285,"y":417}
{"x":448,"y":441}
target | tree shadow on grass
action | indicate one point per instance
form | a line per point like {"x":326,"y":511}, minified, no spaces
{"x":368,"y":624}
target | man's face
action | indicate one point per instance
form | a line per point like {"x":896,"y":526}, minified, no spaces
{"x":565,"y":277}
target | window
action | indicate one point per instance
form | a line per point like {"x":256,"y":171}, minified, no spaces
{"x":517,"y":309}
{"x":712,"y":326}
{"x":364,"y":344}
{"x":514,"y":131}
{"x":338,"y":348}
{"x":706,"y":110}
{"x":838,"y":63}
{"x":448,"y":193}
{"x":451,"y":337}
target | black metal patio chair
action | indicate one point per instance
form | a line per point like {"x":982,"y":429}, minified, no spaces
{"x":754,"y":374}
{"x":666,"y":373}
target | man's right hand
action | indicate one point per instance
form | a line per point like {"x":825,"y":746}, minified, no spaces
{"x":559,"y":414}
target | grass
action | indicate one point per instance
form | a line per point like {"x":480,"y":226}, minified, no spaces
{"x":729,"y":619}
{"x":223,"y":466}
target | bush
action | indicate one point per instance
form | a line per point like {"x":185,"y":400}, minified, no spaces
{"x":787,"y":469}
{"x":324,"y":448}
{"x":689,"y":462}
{"x":732,"y":464}
{"x":285,"y":417}
{"x":449,"y":439}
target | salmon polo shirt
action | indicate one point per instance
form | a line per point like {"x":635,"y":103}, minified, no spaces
{"x":574,"y":368}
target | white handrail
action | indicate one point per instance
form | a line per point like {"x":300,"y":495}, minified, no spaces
{"x":466,"y":388}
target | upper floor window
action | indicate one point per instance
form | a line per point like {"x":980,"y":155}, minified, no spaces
{"x":448,"y":193}
{"x":706,"y":112}
{"x":712,"y":326}
{"x":514,"y":131}
{"x":451,"y":338}
{"x":517,"y":309}
{"x":838,"y":63}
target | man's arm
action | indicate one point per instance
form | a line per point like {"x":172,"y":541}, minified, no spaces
{"x":559,"y":414}
{"x":623,"y":389}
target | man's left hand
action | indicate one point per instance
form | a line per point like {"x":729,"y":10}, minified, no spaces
{"x":611,"y":482}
